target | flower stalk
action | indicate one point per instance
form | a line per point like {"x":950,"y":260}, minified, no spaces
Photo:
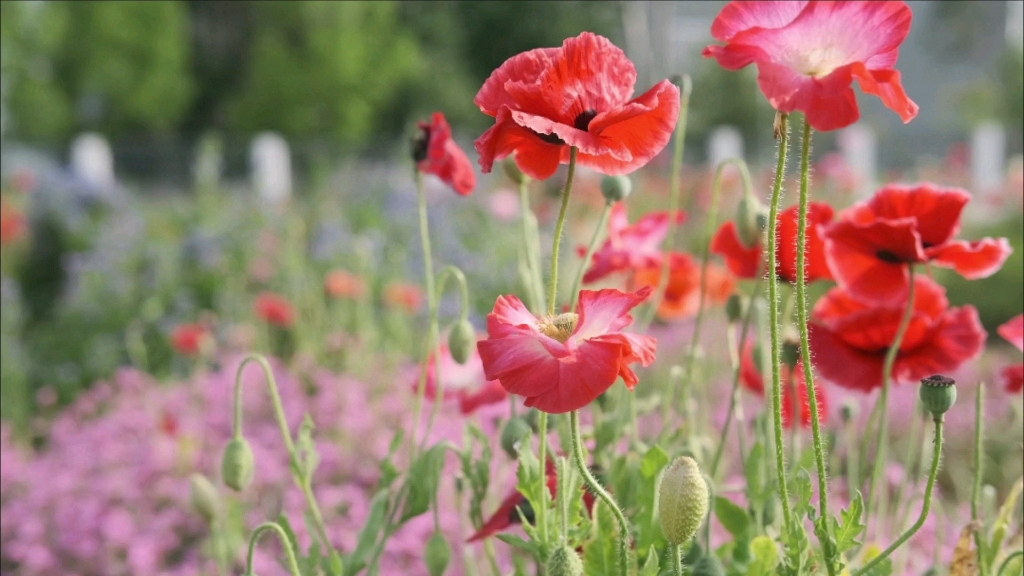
{"x":559,"y":225}
{"x":293,"y":566}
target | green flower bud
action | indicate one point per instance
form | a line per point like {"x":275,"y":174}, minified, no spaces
{"x":513,"y":434}
{"x":203,"y":497}
{"x":734,"y":308}
{"x":238,"y":465}
{"x":615,"y":188}
{"x":938,"y":393}
{"x":461,"y":341}
{"x":683,"y":500}
{"x":564,"y":561}
{"x":751,"y":220}
{"x":513,"y":172}
{"x":438,"y":554}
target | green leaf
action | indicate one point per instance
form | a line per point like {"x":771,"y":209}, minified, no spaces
{"x":654,"y":460}
{"x":851,"y":525}
{"x":600,"y":554}
{"x":516,"y":541}
{"x":368,"y":535}
{"x":884,"y":568}
{"x":802,"y":492}
{"x":650,"y":567}
{"x":423,"y":479}
{"x":733,"y":518}
{"x":766,"y":556}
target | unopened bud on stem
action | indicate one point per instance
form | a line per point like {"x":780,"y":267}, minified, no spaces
{"x":203,"y":497}
{"x":461,"y":341}
{"x":751,"y":219}
{"x":238,"y":465}
{"x":616,"y":188}
{"x":438,"y":554}
{"x":564,"y":561}
{"x":683,"y":500}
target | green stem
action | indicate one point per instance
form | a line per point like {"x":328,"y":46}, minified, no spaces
{"x":925,"y":507}
{"x":595,"y":487}
{"x":594,"y":241}
{"x":542,"y":511}
{"x":559,"y":225}
{"x":1006,"y":562}
{"x":773,"y":311}
{"x":293,"y":565}
{"x":805,"y":349}
{"x":677,"y":559}
{"x":979,"y":434}
{"x":428,"y":266}
{"x":446,"y":273}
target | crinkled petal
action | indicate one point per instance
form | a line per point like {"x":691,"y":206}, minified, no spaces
{"x":604,"y":311}
{"x":592,"y":370}
{"x":521,"y":363}
{"x":871,"y":260}
{"x":525,"y":68}
{"x":535,"y":157}
{"x":886,"y":84}
{"x":958,"y":338}
{"x":738,"y":17}
{"x":972,"y":260}
{"x":1013,"y":331}
{"x":937,"y":210}
{"x":842,"y":364}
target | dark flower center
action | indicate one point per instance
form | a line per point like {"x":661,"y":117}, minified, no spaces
{"x":420,"y":144}
{"x":550,"y":138}
{"x":524,"y":505}
{"x":582,"y":122}
{"x":886,"y":256}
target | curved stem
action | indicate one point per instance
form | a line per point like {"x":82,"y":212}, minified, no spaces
{"x":559,"y":225}
{"x":979,"y":432}
{"x":1006,"y":562}
{"x":925,"y":507}
{"x":274,"y":527}
{"x":428,"y":266}
{"x":773,"y":311}
{"x":446,"y":273}
{"x":805,"y":349}
{"x":598,"y":490}
{"x":594,"y":241}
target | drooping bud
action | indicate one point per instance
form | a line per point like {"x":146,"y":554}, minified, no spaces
{"x":734,"y":308}
{"x":203,"y":497}
{"x":616,"y":188}
{"x":238,"y":465}
{"x":461,"y":341}
{"x":564,"y":561}
{"x":513,"y":172}
{"x":750,"y":220}
{"x":683,"y":500}
{"x":938,"y":394}
{"x":438,"y":554}
{"x":512,"y":435}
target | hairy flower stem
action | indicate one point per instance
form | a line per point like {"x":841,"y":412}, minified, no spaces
{"x":675,"y":183}
{"x":774,"y":322}
{"x":805,"y":352}
{"x":979,"y":436}
{"x":559,"y":225}
{"x":446,"y":273}
{"x":293,"y":565}
{"x":677,"y":560}
{"x":594,"y":241}
{"x":878,"y":495}
{"x":542,"y":510}
{"x":301,"y":479}
{"x":925,"y":507}
{"x":432,"y":334}
{"x":595,"y":487}
{"x":532,"y":277}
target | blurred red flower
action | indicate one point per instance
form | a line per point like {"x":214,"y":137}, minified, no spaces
{"x":191,"y":339}
{"x":682,"y":293}
{"x":436,"y":153}
{"x":563,"y":363}
{"x":404,"y":295}
{"x":872,"y":244}
{"x":752,"y":379}
{"x":275,"y":309}
{"x":465,"y":383}
{"x":850,"y":338}
{"x":744,"y":261}
{"x":546,"y":100}
{"x":13,"y":224}
{"x":344,"y":284}
{"x":629,"y":247}
{"x":809,"y":53}
{"x":1013,"y":331}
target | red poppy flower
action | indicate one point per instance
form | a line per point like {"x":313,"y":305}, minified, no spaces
{"x":463,"y":382}
{"x":275,"y":309}
{"x":13,"y":223}
{"x":191,"y":339}
{"x":436,"y":153}
{"x":871,"y":246}
{"x":563,"y":363}
{"x":404,"y":295}
{"x":1013,"y":331}
{"x":809,"y":53}
{"x":342,"y":284}
{"x":629,"y":247}
{"x":682,"y":293}
{"x":751,"y":378}
{"x":850,"y":338}
{"x":744,"y":261}
{"x":546,"y":100}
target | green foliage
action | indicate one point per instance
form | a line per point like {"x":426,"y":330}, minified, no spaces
{"x":423,"y":479}
{"x":721,"y":97}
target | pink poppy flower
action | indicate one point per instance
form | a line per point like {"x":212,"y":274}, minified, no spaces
{"x":809,"y":53}
{"x":463,"y":383}
{"x":1013,"y":331}
{"x":629,"y":247}
{"x":563,"y":363}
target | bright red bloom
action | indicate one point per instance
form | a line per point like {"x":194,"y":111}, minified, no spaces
{"x":809,"y":53}
{"x":463,"y":382}
{"x":1013,"y":331}
{"x":682,"y":293}
{"x":13,"y":223}
{"x":436,"y":153}
{"x":404,"y":295}
{"x":343,"y":284}
{"x":563,"y":363}
{"x":547,"y":100}
{"x":751,"y":378}
{"x":872,"y":245}
{"x":850,"y":338}
{"x":629,"y":247}
{"x":191,"y":339}
{"x":744,"y":261}
{"x":275,"y":309}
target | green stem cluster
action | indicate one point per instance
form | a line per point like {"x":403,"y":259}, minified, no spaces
{"x":293,"y":565}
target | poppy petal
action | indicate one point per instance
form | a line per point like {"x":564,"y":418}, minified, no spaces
{"x":1013,"y":331}
{"x":535,"y":157}
{"x":843,"y":364}
{"x":737,"y":17}
{"x":973,"y":260}
{"x":886,"y":85}
{"x":741,"y":260}
{"x":525,"y":68}
{"x":1013,"y":377}
{"x":870,"y":260}
{"x":603,"y":311}
{"x":958,"y":338}
{"x":521,"y":363}
{"x":936,"y":209}
{"x":592,"y":371}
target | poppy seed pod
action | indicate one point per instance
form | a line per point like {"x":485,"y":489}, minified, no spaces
{"x":683,"y":500}
{"x":751,"y":220}
{"x":515,"y":431}
{"x":564,"y":561}
{"x":461,"y":341}
{"x":616,"y":188}
{"x":438,"y":554}
{"x":938,"y":394}
{"x":734,"y":308}
{"x":203,"y":497}
{"x":238,"y":465}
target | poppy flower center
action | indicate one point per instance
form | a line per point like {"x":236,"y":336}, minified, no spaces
{"x":886,"y":256}
{"x":420,"y":145}
{"x":582,"y":122}
{"x":558,"y":327}
{"x":819,"y":62}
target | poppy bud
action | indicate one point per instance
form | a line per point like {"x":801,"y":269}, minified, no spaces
{"x":203,"y":497}
{"x":790,"y":353}
{"x":683,"y":500}
{"x":516,"y":430}
{"x":615,"y":188}
{"x":461,"y":341}
{"x":938,"y":393}
{"x":513,"y":172}
{"x":564,"y":561}
{"x":438,"y":554}
{"x":750,"y":220}
{"x":734,"y":308}
{"x":238,"y":465}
